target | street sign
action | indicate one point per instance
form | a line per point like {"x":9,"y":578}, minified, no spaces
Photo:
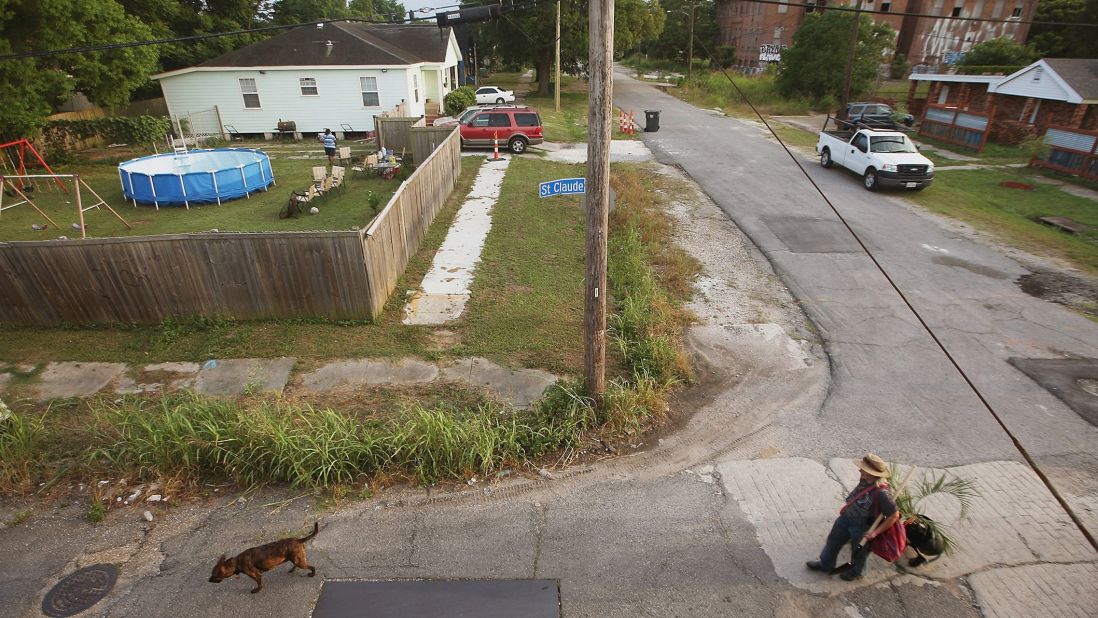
{"x":564,"y":186}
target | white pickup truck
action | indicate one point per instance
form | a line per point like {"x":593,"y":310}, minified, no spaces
{"x":881,"y":158}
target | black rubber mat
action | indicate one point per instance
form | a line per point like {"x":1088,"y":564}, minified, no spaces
{"x":483,"y":598}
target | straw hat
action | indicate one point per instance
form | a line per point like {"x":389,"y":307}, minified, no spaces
{"x":872,"y":465}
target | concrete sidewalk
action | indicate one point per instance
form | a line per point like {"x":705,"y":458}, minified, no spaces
{"x":233,"y":377}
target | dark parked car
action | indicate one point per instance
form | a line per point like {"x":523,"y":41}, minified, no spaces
{"x":517,"y":127}
{"x":878,"y":116}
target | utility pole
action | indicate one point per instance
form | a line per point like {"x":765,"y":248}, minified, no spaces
{"x":600,"y":61}
{"x":850,"y":60}
{"x":556,"y":91}
{"x":690,"y":53}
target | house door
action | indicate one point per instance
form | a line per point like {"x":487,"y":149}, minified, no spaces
{"x":943,"y":95}
{"x":1033,"y":116}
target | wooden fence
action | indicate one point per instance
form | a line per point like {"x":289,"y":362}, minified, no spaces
{"x":395,"y":133}
{"x":149,"y":278}
{"x":395,"y":234}
{"x":335,"y":275}
{"x":426,"y":140}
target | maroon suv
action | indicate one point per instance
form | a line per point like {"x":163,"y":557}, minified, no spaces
{"x":517,"y":127}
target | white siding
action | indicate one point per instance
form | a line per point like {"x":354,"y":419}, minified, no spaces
{"x":1047,"y":87}
{"x":339,"y":99}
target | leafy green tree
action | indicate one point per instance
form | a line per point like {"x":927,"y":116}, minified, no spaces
{"x":526,"y":37}
{"x":674,"y":39}
{"x":1000,"y":52}
{"x":376,"y":10}
{"x":299,"y":11}
{"x":811,"y":67}
{"x":1065,"y":41}
{"x":32,"y":87}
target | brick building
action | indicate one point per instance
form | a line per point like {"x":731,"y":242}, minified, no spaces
{"x":759,"y":31}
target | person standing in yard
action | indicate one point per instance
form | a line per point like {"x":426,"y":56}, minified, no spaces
{"x":868,"y":500}
{"x":329,"y":141}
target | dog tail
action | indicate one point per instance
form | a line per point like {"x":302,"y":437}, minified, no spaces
{"x":316,"y":528}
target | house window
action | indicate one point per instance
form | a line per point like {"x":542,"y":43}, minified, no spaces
{"x":783,"y":7}
{"x":810,"y":6}
{"x":1016,"y":13}
{"x":956,"y":11}
{"x":249,"y":92}
{"x":308,"y":86}
{"x":415,"y":87}
{"x":997,"y":12}
{"x":886,"y":7}
{"x":370,"y":96}
{"x":778,"y":33}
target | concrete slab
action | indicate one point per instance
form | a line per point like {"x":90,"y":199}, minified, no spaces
{"x":531,"y":598}
{"x":1038,"y":590}
{"x":69,"y":379}
{"x":226,"y":378}
{"x":367,"y":372}
{"x":620,"y":151}
{"x":519,"y":386}
{"x":1066,"y":378}
{"x":455,"y":262}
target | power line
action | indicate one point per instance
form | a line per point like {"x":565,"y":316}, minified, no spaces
{"x":926,"y":327}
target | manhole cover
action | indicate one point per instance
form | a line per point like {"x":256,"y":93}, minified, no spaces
{"x":79,"y":591}
{"x":1090,"y":386}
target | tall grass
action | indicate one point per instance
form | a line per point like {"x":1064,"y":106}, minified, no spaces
{"x":25,"y":449}
{"x":713,"y":89}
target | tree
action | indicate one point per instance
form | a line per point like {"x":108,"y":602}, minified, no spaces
{"x":376,"y":10}
{"x":814,"y":65}
{"x":674,"y":39}
{"x":526,"y":37}
{"x":1065,"y":41}
{"x":32,"y":87}
{"x":1000,"y":52}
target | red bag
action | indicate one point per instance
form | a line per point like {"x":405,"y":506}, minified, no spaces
{"x":891,"y":543}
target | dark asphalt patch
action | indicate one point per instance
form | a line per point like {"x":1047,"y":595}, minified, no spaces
{"x":806,"y":235}
{"x":1065,"y":378}
{"x":79,"y":591}
{"x":506,"y":598}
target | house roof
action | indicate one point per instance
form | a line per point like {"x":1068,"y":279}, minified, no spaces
{"x":352,"y":44}
{"x":1074,"y":80}
{"x":1079,"y":73}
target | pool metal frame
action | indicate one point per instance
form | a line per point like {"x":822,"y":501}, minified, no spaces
{"x":213,"y":176}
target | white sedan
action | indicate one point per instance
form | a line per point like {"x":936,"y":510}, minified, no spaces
{"x":492,"y":94}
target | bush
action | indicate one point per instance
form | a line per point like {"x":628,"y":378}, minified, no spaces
{"x":59,"y":135}
{"x":1011,"y":132}
{"x":459,"y":99}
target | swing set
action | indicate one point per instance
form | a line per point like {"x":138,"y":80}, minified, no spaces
{"x":20,"y":185}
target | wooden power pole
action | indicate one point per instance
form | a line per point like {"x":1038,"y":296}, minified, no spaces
{"x":600,"y":62}
{"x":556,"y":80}
{"x":853,"y":47}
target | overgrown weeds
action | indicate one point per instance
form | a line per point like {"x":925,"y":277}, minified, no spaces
{"x":192,"y":439}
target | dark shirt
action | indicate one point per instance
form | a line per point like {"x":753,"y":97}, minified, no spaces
{"x":870,"y":504}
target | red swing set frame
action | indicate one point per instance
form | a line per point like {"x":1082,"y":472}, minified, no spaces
{"x":21,"y":167}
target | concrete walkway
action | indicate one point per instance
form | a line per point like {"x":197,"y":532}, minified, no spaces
{"x":233,"y":377}
{"x":445,"y":289}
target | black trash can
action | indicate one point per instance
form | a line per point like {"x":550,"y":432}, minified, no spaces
{"x":651,"y":120}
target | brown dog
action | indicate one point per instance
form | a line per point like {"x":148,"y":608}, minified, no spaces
{"x":255,"y":561}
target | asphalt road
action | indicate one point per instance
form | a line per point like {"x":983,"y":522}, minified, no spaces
{"x":893,"y":391}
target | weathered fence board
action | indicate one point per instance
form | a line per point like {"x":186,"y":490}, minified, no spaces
{"x":396,"y":233}
{"x":395,"y":133}
{"x":426,"y":139}
{"x":146,"y":279}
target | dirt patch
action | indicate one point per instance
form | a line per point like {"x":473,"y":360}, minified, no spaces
{"x":1072,"y":291}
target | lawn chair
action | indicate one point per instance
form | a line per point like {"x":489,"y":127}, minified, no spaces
{"x":344,"y":155}
{"x":319,"y":174}
{"x":366,"y":166}
{"x":325,"y":185}
{"x":338,"y":173}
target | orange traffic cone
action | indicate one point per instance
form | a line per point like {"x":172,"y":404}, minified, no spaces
{"x":495,"y":146}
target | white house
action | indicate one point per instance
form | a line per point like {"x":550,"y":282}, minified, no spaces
{"x":332,"y":75}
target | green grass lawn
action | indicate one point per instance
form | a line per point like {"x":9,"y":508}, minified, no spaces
{"x":292,"y":164}
{"x":525,"y":311}
{"x":976,"y":197}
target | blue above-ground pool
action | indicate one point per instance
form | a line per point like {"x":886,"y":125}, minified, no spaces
{"x":195,"y":177}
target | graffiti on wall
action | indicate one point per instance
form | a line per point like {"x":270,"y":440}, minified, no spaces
{"x":771,"y":53}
